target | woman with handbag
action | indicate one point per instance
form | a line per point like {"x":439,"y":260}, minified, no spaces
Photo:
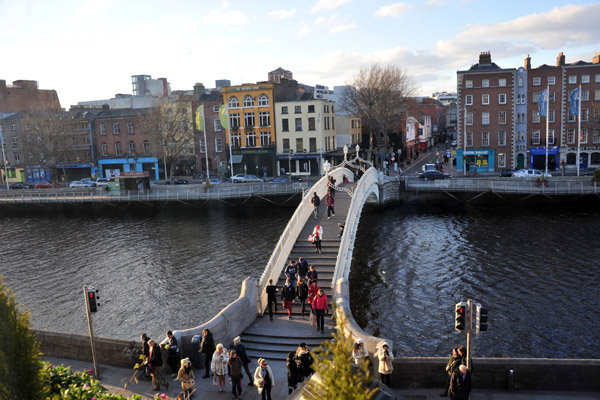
{"x":185,"y":375}
{"x":219,"y":366}
{"x":317,"y":237}
{"x":264,"y":379}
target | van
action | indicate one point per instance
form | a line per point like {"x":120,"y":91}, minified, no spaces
{"x":428,"y":167}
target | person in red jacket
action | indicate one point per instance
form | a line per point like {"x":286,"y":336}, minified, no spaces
{"x":320,"y":306}
{"x":330,"y":201}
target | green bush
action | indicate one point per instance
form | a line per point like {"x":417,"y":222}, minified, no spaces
{"x":597,"y":175}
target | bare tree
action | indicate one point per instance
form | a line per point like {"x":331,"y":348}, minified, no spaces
{"x":378,"y":95}
{"x":171,"y":127}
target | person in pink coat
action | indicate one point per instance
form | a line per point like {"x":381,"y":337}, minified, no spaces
{"x":319,"y":305}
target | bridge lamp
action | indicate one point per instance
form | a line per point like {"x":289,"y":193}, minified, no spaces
{"x":357,"y":149}
{"x":345,"y":152}
{"x":326,"y":167}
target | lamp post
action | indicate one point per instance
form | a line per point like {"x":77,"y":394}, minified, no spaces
{"x":290,"y":154}
{"x":357,"y":149}
{"x":345,"y":152}
{"x":326,"y":167}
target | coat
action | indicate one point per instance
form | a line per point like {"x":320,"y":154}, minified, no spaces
{"x":330,"y":201}
{"x":288,"y":293}
{"x":155,"y":357}
{"x":385,"y":361}
{"x":271,"y":293}
{"x":207,"y":345}
{"x":218,"y":364}
{"x":302,"y":291}
{"x":258,"y":376}
{"x":459,"y":387}
{"x":185,"y":378}
{"x":318,"y":232}
{"x":315,"y":200}
{"x":234,"y":366}
{"x":312,"y":292}
{"x":240,"y":350}
{"x":320,"y":302}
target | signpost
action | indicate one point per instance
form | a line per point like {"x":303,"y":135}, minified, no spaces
{"x":91,"y":305}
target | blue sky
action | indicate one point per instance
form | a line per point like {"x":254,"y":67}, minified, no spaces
{"x":88,"y":49}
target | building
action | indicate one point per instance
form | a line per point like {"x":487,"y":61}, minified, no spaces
{"x":25,"y":95}
{"x":277,"y":75}
{"x":146,"y":93}
{"x":215,"y":136}
{"x":348,"y":130}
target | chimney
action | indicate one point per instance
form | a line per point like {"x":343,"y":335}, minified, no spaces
{"x":485,"y":58}
{"x":597,"y":58}
{"x":527,"y":63}
{"x":560,"y":60}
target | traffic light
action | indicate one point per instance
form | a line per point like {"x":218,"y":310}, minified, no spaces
{"x":93,"y":299}
{"x":460,"y":316}
{"x":481,"y":319}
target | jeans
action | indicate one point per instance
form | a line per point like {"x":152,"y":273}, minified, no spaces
{"x":236,"y":384}
{"x":320,"y":314}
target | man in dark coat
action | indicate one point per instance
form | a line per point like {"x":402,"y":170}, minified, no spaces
{"x":240,"y":350}
{"x":271,"y":298}
{"x":288,"y":294}
{"x":302,"y":268}
{"x":146,"y":353}
{"x":172,"y":354}
{"x":302,"y":293}
{"x":207,"y":347}
{"x":460,"y":384}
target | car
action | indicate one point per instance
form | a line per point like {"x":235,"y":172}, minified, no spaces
{"x":213,"y":181}
{"x":43,"y":185}
{"x":101,"y":182}
{"x":179,"y":181}
{"x":252,"y":179}
{"x":19,"y":185}
{"x":280,"y":179}
{"x":239,"y":178}
{"x":428,"y":167}
{"x":529,"y":173}
{"x":453,"y":143}
{"x":507,"y":173}
{"x":76,"y":184}
{"x":433,"y":175}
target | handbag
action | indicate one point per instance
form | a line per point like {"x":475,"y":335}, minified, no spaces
{"x":313,"y":320}
{"x":311,"y":238}
{"x":188,"y":385}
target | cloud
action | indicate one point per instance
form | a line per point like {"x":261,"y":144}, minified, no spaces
{"x":304,"y":30}
{"x":435,"y":3}
{"x":394,"y":10}
{"x":342,"y":28}
{"x":223,"y":16}
{"x":328,"y":4}
{"x":281,"y":14}
{"x":91,"y":8}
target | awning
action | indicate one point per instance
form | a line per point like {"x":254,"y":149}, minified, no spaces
{"x":237,"y":158}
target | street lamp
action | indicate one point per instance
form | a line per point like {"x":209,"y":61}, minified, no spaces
{"x":326,"y":167}
{"x":357,"y":149}
{"x":345,"y":152}
{"x":290,"y":154}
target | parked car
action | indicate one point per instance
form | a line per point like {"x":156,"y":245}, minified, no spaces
{"x":453,"y":143}
{"x":252,"y":179}
{"x":507,"y":173}
{"x":529,"y":173}
{"x":43,"y":185}
{"x":76,"y":184}
{"x":239,"y":178}
{"x":281,"y":179}
{"x":101,"y":182}
{"x":179,"y":181}
{"x":428,"y":167}
{"x":19,"y":185}
{"x":433,"y":175}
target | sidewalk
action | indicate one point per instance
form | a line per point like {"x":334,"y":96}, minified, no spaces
{"x":114,"y":378}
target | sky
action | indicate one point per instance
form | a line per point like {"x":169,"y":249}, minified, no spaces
{"x":89,"y":49}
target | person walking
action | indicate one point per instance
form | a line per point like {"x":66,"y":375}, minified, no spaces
{"x":271,"y":298}
{"x":290,"y":271}
{"x":302,"y":293}
{"x":240,"y":350}
{"x":312,"y":274}
{"x":386,"y":367}
{"x":360,"y":354}
{"x":172,"y":354}
{"x":207,"y":347}
{"x":146,"y":353}
{"x":320,"y":305}
{"x":219,"y":366}
{"x":185,"y":375}
{"x":453,"y":363}
{"x":288,"y":294}
{"x":264,"y":379}
{"x":302,"y":268}
{"x":294,"y":376}
{"x":313,"y":289}
{"x":234,"y":368}
{"x":330,"y":201}
{"x":460,"y":384}
{"x":317,"y":237}
{"x":155,"y":363}
{"x":304,"y":360}
{"x":316,"y":201}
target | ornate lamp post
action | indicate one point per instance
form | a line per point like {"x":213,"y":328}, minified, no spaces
{"x":357,"y":149}
{"x":345,"y":152}
{"x":326,"y":167}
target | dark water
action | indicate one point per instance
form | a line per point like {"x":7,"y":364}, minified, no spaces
{"x":536,"y":269}
{"x":171,"y":270}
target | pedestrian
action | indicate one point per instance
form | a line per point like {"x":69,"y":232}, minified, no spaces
{"x":207,"y":347}
{"x":320,"y":306}
{"x":360,"y":354}
{"x":341,"y":226}
{"x":185,"y":375}
{"x":386,"y":367}
{"x":302,"y":268}
{"x":317,"y":237}
{"x":155,"y":363}
{"x":312,"y":274}
{"x":240,"y":350}
{"x":219,"y":366}
{"x":304,"y":360}
{"x":234,"y":368}
{"x":172,"y":354}
{"x":271,"y":298}
{"x":302,"y":293}
{"x":290,"y":271}
{"x":330,"y":201}
{"x":294,"y":376}
{"x":264,"y":379}
{"x":288,"y":294}
{"x":145,"y":353}
{"x":332,"y":185}
{"x":453,"y":363}
{"x":316,"y":201}
{"x":313,"y":289}
{"x":460,"y":384}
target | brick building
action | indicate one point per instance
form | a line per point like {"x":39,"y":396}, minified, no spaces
{"x":25,"y":95}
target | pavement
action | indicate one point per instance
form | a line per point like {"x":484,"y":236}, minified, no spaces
{"x":114,"y":379}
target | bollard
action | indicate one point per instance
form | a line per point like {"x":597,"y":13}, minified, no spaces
{"x":511,"y":380}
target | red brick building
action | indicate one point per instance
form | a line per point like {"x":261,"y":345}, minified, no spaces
{"x":25,"y":95}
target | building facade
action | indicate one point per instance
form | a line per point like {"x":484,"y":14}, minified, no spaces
{"x":25,"y":95}
{"x":215,"y":136}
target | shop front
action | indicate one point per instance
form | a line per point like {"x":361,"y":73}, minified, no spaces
{"x":110,"y":167}
{"x":476,"y":160}
{"x":299,"y":164}
{"x":254,"y":161}
{"x":37,"y":173}
{"x":537,"y":158}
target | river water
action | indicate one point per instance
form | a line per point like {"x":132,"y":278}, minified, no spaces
{"x":535,"y":269}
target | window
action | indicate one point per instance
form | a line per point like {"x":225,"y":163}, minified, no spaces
{"x":27,"y":127}
{"x":284,"y":110}
{"x":469,"y":100}
{"x":17,"y":157}
{"x":571,"y":117}
{"x":596,"y":136}
{"x":299,"y":145}
{"x":215,"y":109}
{"x":312,"y":145}
{"x":585,"y":79}
{"x":236,"y":139}
{"x":537,"y":81}
{"x":485,"y":118}
{"x":131,"y":147}
{"x":469,"y":83}
{"x":104,"y":149}
{"x":218,"y":145}
{"x":298,"y":124}
{"x":485,"y":83}
{"x":485,"y":138}
{"x":551,"y":136}
{"x":584,"y":114}
{"x":130,"y":128}
{"x":535,"y":137}
{"x":146,"y":145}
{"x":550,"y":115}
{"x":502,"y":82}
{"x":116,"y":128}
{"x":248,"y":120}
{"x":469,"y":139}
{"x":585,"y":95}
{"x":102,"y":129}
{"x":552,"y":96}
{"x":285,"y":127}
{"x":502,"y":98}
{"x":501,"y":138}
{"x":501,"y":160}
{"x":536,"y":97}
{"x":501,"y":117}
{"x":572,"y":78}
{"x":248,"y":101}
{"x":250,"y":139}
{"x":233,"y":102}
{"x":332,"y":122}
{"x":535,"y":117}
{"x":584,"y":135}
{"x":311,"y":108}
{"x":485,"y":99}
{"x":286,"y":145}
{"x":118,"y":148}
{"x":469,"y":118}
{"x":520,"y":81}
{"x":263,"y":100}
{"x":551,"y":80}
{"x":311,"y":124}
{"x":297,"y":109}
{"x":264,"y":118}
{"x":234,"y":120}
{"x":201,"y":145}
{"x":218,"y":125}
{"x":570,"y":136}
{"x":15,"y":141}
{"x":265,"y":138}
{"x":597,"y":78}
{"x":597,"y":94}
